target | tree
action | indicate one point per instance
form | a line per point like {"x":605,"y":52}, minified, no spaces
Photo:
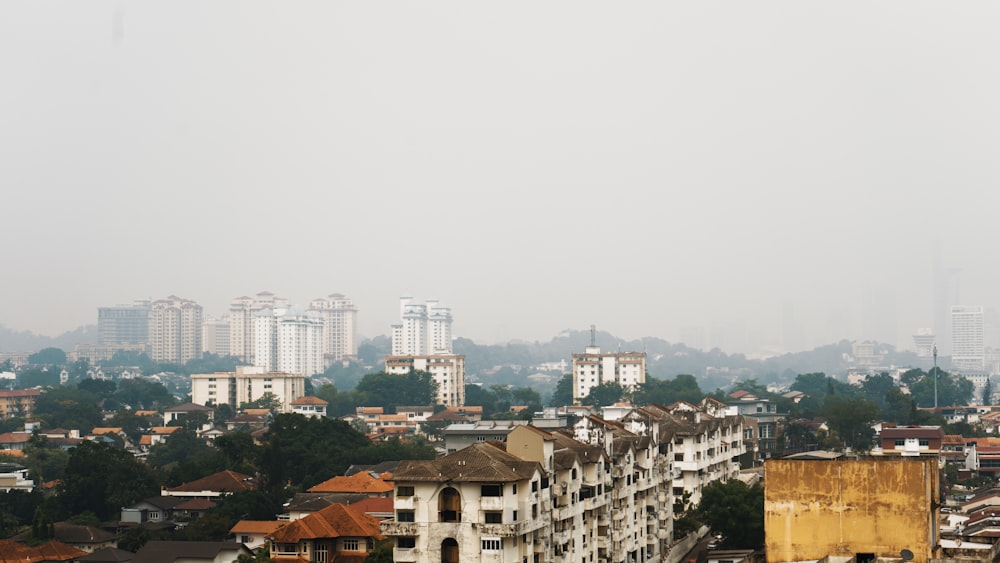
{"x":390,"y":390}
{"x":735,"y":510}
{"x":307,"y":451}
{"x":563,"y":394}
{"x":683,"y":387}
{"x":268,"y":401}
{"x":607,"y":393}
{"x":48,"y":356}
{"x":68,"y":407}
{"x":144,"y":394}
{"x":99,"y":387}
{"x":102,"y":479}
{"x":851,"y":419}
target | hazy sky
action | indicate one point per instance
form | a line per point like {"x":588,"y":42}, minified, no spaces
{"x":781,"y":171}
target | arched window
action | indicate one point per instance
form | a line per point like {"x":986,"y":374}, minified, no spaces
{"x":449,"y":551}
{"x":449,"y":506}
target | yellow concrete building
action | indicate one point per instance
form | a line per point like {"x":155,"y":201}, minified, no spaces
{"x":867,"y":508}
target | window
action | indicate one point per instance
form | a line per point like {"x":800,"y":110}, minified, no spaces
{"x":515,"y":516}
{"x":491,"y":491}
{"x":351,"y":544}
{"x":900,"y":443}
{"x":404,"y":516}
{"x":491,"y":544}
{"x":493,"y":517}
{"x":404,"y":491}
{"x":321,"y":552}
{"x":534,"y":486}
{"x":154,"y":515}
{"x":925,"y":442}
{"x":406,"y":542}
{"x":244,"y":539}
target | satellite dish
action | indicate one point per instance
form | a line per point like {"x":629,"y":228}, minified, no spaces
{"x":906,"y":554}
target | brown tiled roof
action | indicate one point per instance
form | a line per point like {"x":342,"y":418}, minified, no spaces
{"x":309,"y":400}
{"x":369,"y":505}
{"x":447,"y":416}
{"x":257,"y":526}
{"x":107,"y":555}
{"x":6,"y":394}
{"x":164,"y":430}
{"x":363,"y":482}
{"x":11,"y":550}
{"x":913,"y":432}
{"x":14,"y":437}
{"x":333,"y":521}
{"x":223,"y":481}
{"x":480,"y":462}
{"x":73,"y":534}
{"x":260,"y":412}
{"x":190,"y":407}
{"x":110,"y":430}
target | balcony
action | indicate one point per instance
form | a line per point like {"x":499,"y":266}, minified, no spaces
{"x":404,"y":554}
{"x":502,"y":530}
{"x":491,"y":503}
{"x":393,"y":528}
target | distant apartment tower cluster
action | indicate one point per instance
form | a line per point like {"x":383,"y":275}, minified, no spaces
{"x":175,"y":330}
{"x":968,"y":352}
{"x":289,"y":340}
{"x":123,"y":324}
{"x":593,"y":368}
{"x":425,"y":329}
{"x":422,"y":342}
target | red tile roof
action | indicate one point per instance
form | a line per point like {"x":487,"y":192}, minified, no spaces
{"x":370,"y":505}
{"x":333,"y":521}
{"x":309,"y":401}
{"x":362,"y":482}
{"x":50,"y":551}
{"x":257,"y":526}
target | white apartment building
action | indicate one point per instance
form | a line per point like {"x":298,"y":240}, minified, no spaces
{"x":215,"y":336}
{"x":246,"y":384}
{"x":340,"y":326}
{"x":425,"y":329}
{"x":289,"y":340}
{"x":175,"y":330}
{"x":300,"y":343}
{"x":242,"y":312}
{"x":601,"y":491}
{"x":448,"y":372}
{"x":592,"y":368}
{"x":967,"y":347}
{"x":123,"y":324}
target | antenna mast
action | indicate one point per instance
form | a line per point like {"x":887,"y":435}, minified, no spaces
{"x":593,"y":335}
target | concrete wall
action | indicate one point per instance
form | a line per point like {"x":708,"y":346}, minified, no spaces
{"x":814,"y":509}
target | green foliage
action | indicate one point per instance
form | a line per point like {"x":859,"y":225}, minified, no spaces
{"x":86,"y":518}
{"x":48,"y":356}
{"x":98,"y":387}
{"x":68,"y":407}
{"x":563,"y":394}
{"x":133,"y":426}
{"x":183,"y":445}
{"x":17,"y":508}
{"x":736,"y":510}
{"x":390,"y":391}
{"x":307,"y":451}
{"x":38,"y":377}
{"x":382,"y":553}
{"x":338,"y":404}
{"x":238,"y":450}
{"x":144,"y":394}
{"x":497,"y":400}
{"x":268,"y":401}
{"x":210,"y":363}
{"x":951,"y":390}
{"x":607,"y":393}
{"x":134,"y":538}
{"x":683,"y":387}
{"x":45,"y":462}
{"x":102,"y":479}
{"x":851,"y":419}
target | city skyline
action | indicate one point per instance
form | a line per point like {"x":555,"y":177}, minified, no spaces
{"x":756,"y":178}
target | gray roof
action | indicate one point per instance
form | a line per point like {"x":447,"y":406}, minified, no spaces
{"x":478,"y":463}
{"x":108,"y":555}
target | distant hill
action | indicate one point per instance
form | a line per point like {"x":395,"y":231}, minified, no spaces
{"x":14,"y":341}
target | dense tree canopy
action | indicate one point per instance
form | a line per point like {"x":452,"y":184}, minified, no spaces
{"x":102,"y":479}
{"x":390,"y":391}
{"x":48,"y":356}
{"x":683,"y":387}
{"x":735,"y":510}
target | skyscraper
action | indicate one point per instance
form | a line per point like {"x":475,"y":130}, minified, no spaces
{"x":340,"y":326}
{"x":967,"y":349}
{"x":175,"y":330}
{"x":123,"y":324}
{"x":241,"y":322}
{"x":425,"y":329}
{"x":288,"y":340}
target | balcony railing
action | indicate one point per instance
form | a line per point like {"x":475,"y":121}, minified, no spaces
{"x":394,"y":528}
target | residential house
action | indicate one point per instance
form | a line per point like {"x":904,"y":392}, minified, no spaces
{"x":764,"y":413}
{"x":910,"y":441}
{"x":366,"y":483}
{"x":309,"y":406}
{"x":14,"y":440}
{"x":157,"y":551}
{"x":178,"y":413}
{"x":254,"y":533}
{"x":108,"y":555}
{"x":214,"y":486}
{"x":336,"y":533}
{"x":304,"y":504}
{"x":84,"y":538}
{"x":480,"y":503}
{"x":461,"y":435}
{"x":151,"y":510}
{"x":14,"y":476}
{"x":50,"y":551}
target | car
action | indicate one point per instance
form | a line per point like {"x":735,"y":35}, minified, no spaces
{"x":714,"y":544}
